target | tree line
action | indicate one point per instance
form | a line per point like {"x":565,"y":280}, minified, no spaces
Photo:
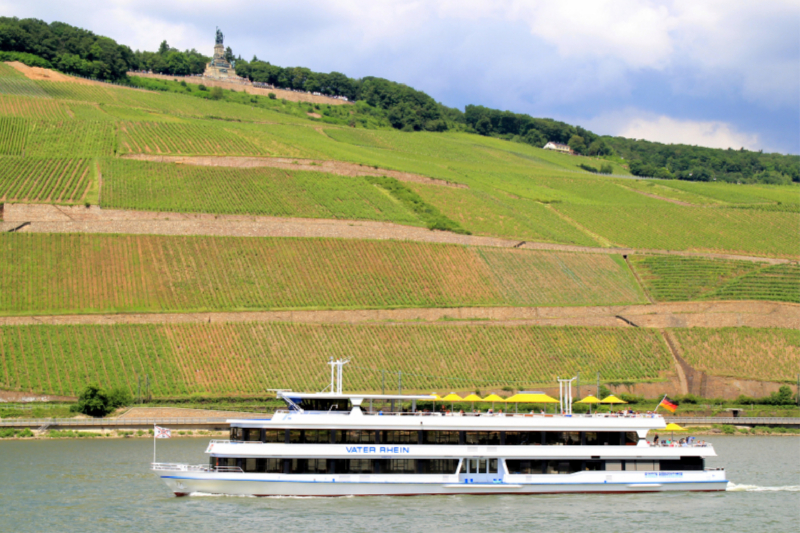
{"x":76,"y":51}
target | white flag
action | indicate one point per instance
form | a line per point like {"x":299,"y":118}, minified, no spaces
{"x":162,"y":433}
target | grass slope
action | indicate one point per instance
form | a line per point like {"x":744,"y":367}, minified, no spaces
{"x":182,"y":359}
{"x":76,"y":273}
{"x":675,"y":278}
{"x":767,"y":354}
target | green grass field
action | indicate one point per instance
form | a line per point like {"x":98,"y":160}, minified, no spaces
{"x":79,"y":273}
{"x":768,"y":354}
{"x":669,"y":278}
{"x":241,"y":359}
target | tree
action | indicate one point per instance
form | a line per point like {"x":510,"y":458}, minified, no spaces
{"x":216,"y":93}
{"x":606,"y":168}
{"x":577,"y":144}
{"x":163,"y":48}
{"x":93,"y":401}
{"x":229,"y":55}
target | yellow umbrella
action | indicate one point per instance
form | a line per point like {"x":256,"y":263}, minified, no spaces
{"x":590,"y":400}
{"x":612,"y":399}
{"x":530,"y":397}
{"x":673,"y":427}
{"x":471,"y":398}
{"x":452,"y":397}
{"x":494,"y":398}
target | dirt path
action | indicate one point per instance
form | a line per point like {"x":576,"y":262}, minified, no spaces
{"x":671,"y":315}
{"x":333,"y":167}
{"x":45,"y":218}
{"x":664,"y":198}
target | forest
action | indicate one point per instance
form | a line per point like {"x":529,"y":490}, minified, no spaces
{"x":80,"y":52}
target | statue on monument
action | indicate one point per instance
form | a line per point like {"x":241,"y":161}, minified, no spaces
{"x":219,"y":36}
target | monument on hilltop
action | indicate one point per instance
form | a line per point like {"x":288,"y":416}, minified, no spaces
{"x":219,"y":68}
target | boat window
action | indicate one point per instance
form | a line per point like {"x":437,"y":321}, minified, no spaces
{"x":236,"y":433}
{"x":438,"y":466}
{"x":463,"y":469}
{"x":684,"y":463}
{"x":647,"y":466}
{"x":631,"y":438}
{"x":275,"y":435}
{"x":473,"y":466}
{"x":399,"y":437}
{"x":356,"y":436}
{"x":492,"y":466}
{"x":482,"y":438}
{"x":523,"y":466}
{"x":295,"y":436}
{"x":603,"y":438}
{"x":523,"y":438}
{"x":563,"y":467}
{"x":252,"y":434}
{"x":593,"y":465}
{"x":397,"y":466}
{"x":316,"y":436}
{"x":440,"y":437}
{"x":482,"y":467}
{"x":249,"y":465}
{"x":614,"y":465}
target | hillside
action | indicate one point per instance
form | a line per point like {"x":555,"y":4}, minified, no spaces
{"x":167,"y":205}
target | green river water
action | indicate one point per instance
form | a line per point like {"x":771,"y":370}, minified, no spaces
{"x":105,"y":485}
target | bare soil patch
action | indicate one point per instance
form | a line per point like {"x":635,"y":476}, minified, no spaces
{"x":671,"y":200}
{"x":45,"y":74}
{"x":667,"y":315}
{"x":314,"y":115}
{"x":341,"y":168}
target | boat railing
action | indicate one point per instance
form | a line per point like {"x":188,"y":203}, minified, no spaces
{"x":480,"y":414}
{"x":180,"y":467}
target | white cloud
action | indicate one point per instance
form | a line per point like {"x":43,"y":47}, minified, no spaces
{"x":713,"y":134}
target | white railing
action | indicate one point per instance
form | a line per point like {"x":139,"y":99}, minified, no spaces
{"x":180,"y":467}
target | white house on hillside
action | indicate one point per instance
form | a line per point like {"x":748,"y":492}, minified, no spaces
{"x":558,"y":147}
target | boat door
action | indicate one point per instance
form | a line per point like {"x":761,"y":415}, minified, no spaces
{"x":479,"y":471}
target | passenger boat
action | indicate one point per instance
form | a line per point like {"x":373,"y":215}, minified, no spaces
{"x":336,"y":444}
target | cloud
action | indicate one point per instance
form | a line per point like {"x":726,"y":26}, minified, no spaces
{"x":635,"y":124}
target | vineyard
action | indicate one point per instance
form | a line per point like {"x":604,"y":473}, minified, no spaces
{"x":258,"y":191}
{"x":71,"y":138}
{"x":35,"y":108}
{"x":673,"y":278}
{"x":241,"y":359}
{"x":43,"y":180}
{"x":189,"y":139}
{"x":132,"y":273}
{"x":502,"y":215}
{"x":768,"y":354}
{"x":13,"y":133}
{"x":673,"y":227}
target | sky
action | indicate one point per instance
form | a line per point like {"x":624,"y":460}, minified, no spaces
{"x":718,"y":73}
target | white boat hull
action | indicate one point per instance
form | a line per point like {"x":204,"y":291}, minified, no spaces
{"x":183,"y":484}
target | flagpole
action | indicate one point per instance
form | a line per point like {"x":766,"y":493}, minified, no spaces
{"x":659,"y":404}
{"x":154,"y":443}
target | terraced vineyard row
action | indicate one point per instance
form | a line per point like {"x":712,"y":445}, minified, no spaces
{"x":767,"y":354}
{"x":43,"y":180}
{"x":249,"y":358}
{"x":71,"y":138}
{"x":107,"y":273}
{"x":35,"y":108}
{"x":259,"y":191}
{"x":674,"y":227}
{"x":13,"y":132}
{"x":675,"y":278}
{"x":165,"y":138}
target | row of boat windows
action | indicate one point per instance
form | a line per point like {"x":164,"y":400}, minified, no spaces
{"x":449,"y":466}
{"x":469,"y":438}
{"x":341,"y":466}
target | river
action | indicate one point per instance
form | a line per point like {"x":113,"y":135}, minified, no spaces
{"x":104,"y":485}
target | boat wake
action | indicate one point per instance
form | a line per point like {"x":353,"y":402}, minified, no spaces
{"x":276,"y":496}
{"x":734,"y":487}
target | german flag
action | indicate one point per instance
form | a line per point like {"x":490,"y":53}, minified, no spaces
{"x":667,"y":404}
